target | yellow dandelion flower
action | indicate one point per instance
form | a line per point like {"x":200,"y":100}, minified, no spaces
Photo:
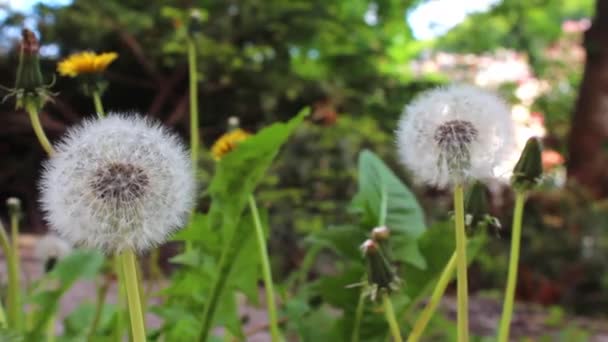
{"x":227,"y":143}
{"x":85,"y":63}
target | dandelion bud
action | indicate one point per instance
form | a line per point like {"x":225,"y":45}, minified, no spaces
{"x":14,"y":206}
{"x":476,"y":208}
{"x":454,"y":134}
{"x":50,"y":249}
{"x":196,"y":21}
{"x":118,"y":183}
{"x":233,"y":123}
{"x":529,"y":168}
{"x":29,"y":90}
{"x":380,"y":233}
{"x":381,"y":276}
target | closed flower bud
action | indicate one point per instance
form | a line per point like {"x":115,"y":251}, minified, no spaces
{"x":195,"y":24}
{"x":381,"y":276}
{"x":529,"y":168}
{"x":476,"y":208}
{"x":30,"y":90}
{"x":381,"y":236}
{"x":14,"y":206}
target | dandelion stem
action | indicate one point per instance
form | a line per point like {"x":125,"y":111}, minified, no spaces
{"x":507,"y":309}
{"x":8,"y":255}
{"x":266,"y":271}
{"x":98,"y":106}
{"x":391,"y":319}
{"x":102,"y":291}
{"x":38,"y":130}
{"x":194,"y":122}
{"x":224,"y":268}
{"x":358,"y":317}
{"x":133,"y":297}
{"x":50,"y":328}
{"x":461,"y":263}
{"x":14,"y":279}
{"x":120,"y":301}
{"x":431,"y":306}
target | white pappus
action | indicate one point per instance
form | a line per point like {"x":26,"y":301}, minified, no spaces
{"x":454,"y":134}
{"x":117,"y":183}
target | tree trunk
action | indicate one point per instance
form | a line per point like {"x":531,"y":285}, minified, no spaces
{"x":588,"y":145}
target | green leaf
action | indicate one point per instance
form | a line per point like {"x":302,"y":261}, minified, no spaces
{"x":404,"y":214}
{"x":240,"y":171}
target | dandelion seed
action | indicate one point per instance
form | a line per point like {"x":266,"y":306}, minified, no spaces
{"x":453,"y":134}
{"x":118,"y":183}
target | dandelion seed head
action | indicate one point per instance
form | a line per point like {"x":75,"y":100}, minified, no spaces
{"x":121,"y":182}
{"x":453,"y":134}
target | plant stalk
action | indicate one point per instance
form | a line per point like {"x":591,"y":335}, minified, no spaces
{"x":38,"y":130}
{"x":15,"y":279}
{"x":461,"y":265}
{"x":8,"y":255}
{"x":358,"y":317}
{"x":133,"y":296}
{"x":98,"y":106}
{"x":391,"y":319}
{"x":507,"y":309}
{"x":102,"y":291}
{"x":431,"y":306}
{"x":224,"y":266}
{"x":194,"y":119}
{"x":266,"y":271}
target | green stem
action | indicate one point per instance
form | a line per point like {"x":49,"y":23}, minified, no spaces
{"x":133,"y":297}
{"x":120,"y":301}
{"x":461,"y":265}
{"x":8,"y":255}
{"x":431,"y":306}
{"x":15,"y":273}
{"x":507,"y":309}
{"x":38,"y":130}
{"x":224,"y":266}
{"x":358,"y":317}
{"x":194,"y":119}
{"x":98,"y":106}
{"x":194,"y":132}
{"x":102,"y":291}
{"x":266,"y":271}
{"x":391,"y":319}
{"x":50,"y":329}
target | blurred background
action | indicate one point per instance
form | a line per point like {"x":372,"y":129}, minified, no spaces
{"x":356,"y":63}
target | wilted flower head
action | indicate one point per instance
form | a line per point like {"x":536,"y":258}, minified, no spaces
{"x":452,"y":134}
{"x":50,"y":248}
{"x":228,"y":142}
{"x":122,"y":182}
{"x":85,"y":63}
{"x":14,"y":206}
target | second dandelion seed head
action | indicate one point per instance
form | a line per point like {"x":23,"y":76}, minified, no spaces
{"x":453,"y":134}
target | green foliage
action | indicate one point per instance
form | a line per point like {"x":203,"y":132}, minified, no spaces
{"x":226,"y":236}
{"x":83,"y":264}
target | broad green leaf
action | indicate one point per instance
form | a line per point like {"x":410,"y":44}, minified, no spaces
{"x":404,"y":214}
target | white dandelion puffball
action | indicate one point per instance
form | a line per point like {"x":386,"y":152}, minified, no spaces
{"x":118,"y":183}
{"x":51,"y":246}
{"x":450,"y":135}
